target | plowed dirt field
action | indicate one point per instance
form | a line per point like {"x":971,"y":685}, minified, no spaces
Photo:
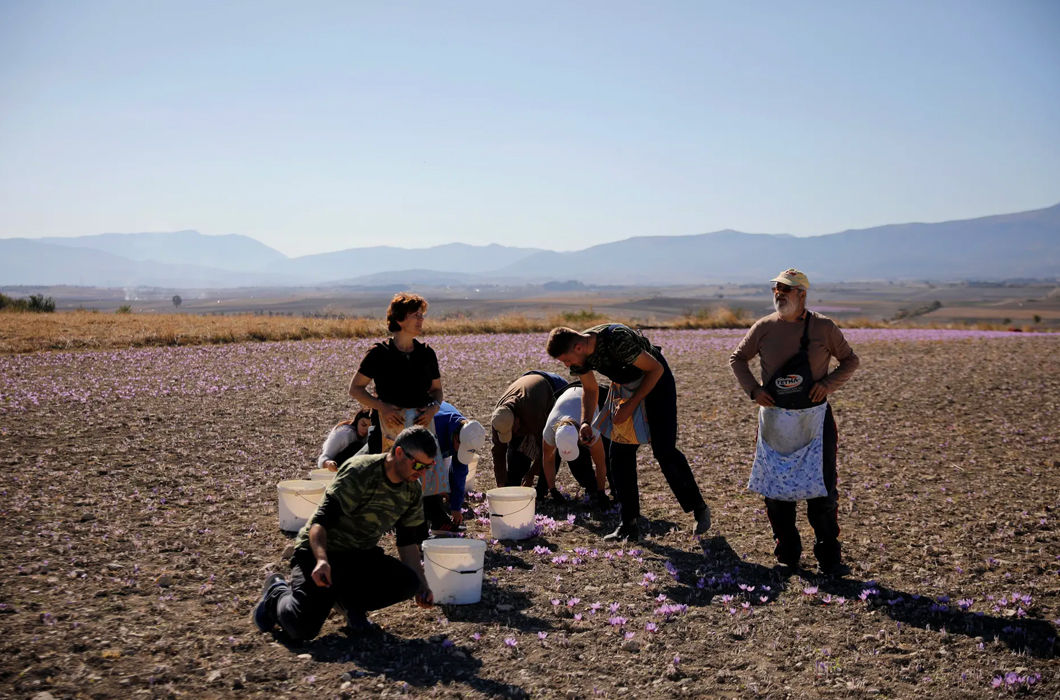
{"x":139,"y":511}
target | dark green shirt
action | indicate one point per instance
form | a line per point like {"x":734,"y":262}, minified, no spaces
{"x":617,"y":348}
{"x":361,"y":504}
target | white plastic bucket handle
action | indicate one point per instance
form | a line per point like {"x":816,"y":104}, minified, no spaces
{"x":529,"y":502}
{"x":300,"y":493}
{"x":470,"y":571}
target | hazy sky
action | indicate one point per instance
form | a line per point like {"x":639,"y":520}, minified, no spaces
{"x":318,"y":126}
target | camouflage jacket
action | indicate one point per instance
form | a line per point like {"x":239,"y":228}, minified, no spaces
{"x":617,"y":348}
{"x":361,"y":504}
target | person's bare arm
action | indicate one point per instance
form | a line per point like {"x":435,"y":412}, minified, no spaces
{"x":548,"y":463}
{"x":412,"y":556}
{"x":388,"y":414}
{"x":499,"y":451}
{"x":318,"y":543}
{"x":590,"y":391}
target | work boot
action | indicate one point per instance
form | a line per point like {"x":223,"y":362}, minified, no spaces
{"x":702,"y":514}
{"x":264,"y":614}
{"x":556,"y":495}
{"x":833,"y":570}
{"x":829,"y":556}
{"x":358,"y":624}
{"x":626,"y":532}
{"x":788,"y":554}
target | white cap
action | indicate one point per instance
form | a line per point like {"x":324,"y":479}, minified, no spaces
{"x":472,"y":438}
{"x":567,"y":442}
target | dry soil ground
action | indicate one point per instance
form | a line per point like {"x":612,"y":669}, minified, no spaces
{"x":139,"y":518}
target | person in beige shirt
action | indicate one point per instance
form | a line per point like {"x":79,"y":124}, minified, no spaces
{"x":517,"y":423}
{"x":776,"y":339}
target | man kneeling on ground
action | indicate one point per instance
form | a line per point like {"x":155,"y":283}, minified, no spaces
{"x":337,"y":557}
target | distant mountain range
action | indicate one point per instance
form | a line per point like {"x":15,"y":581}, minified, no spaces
{"x":1008,"y":246}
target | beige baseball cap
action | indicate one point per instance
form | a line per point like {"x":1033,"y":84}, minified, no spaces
{"x":503,"y":420}
{"x":793,"y":278}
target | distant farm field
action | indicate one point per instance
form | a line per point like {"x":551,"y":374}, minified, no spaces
{"x":88,"y":318}
{"x":72,"y":330}
{"x":139,"y":517}
{"x":93,"y":330}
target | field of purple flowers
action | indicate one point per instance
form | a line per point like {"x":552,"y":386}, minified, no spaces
{"x":139,"y":517}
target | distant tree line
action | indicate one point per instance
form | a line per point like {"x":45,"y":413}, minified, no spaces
{"x":36,"y":302}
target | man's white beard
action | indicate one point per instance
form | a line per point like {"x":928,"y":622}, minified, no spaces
{"x":789,"y":310}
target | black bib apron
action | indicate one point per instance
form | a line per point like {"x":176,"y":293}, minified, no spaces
{"x":790,"y":385}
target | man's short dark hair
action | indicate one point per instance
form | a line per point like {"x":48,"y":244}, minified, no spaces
{"x":560,"y":340}
{"x":418,"y":439}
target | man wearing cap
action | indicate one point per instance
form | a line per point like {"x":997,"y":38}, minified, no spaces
{"x":459,"y":440}
{"x":587,"y":459}
{"x":517,"y":423}
{"x":777,"y":340}
{"x":626,"y":357}
{"x":337,"y":558}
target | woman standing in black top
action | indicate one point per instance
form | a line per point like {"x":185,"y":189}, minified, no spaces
{"x":405,"y":372}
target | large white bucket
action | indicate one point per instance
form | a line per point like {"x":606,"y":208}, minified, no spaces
{"x":512,"y":510}
{"x":322,"y":475}
{"x":454,"y":569}
{"x":299,"y":499}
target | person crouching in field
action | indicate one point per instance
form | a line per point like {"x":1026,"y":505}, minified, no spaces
{"x":345,"y":440}
{"x":337,"y":558}
{"x":795,"y":458}
{"x":626,"y":357}
{"x":459,"y":441}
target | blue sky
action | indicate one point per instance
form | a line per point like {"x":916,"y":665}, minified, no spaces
{"x":320,"y":126}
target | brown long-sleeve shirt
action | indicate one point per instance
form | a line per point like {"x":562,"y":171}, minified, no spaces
{"x":530,"y":398}
{"x":775,"y":340}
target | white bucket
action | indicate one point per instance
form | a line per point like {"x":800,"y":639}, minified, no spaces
{"x":321,"y":475}
{"x":454,"y":569}
{"x":299,"y":499}
{"x":512,"y":510}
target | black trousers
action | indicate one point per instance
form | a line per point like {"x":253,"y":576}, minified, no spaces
{"x":660,"y":409}
{"x":582,"y":468}
{"x":821,"y":512}
{"x":360,"y":581}
{"x":436,"y":510}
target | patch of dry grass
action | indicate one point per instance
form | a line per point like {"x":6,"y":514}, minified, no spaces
{"x":73,"y":330}
{"x":23,"y":332}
